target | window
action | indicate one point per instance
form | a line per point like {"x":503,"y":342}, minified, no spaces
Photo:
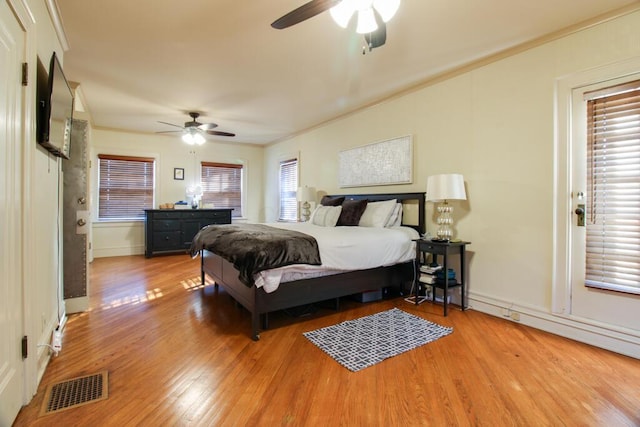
{"x":125,"y":187}
{"x":613,"y":185}
{"x":222,"y":186}
{"x":288,"y":179}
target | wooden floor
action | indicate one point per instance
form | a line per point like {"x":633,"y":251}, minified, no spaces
{"x":180,"y":354}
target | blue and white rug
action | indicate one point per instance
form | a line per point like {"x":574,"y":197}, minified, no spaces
{"x":357,"y":344}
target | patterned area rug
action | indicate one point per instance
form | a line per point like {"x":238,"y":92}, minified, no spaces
{"x":357,"y":344}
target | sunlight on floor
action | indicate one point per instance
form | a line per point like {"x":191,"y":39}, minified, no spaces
{"x":196,"y":283}
{"x":143,"y":296}
{"x":149,"y":295}
{"x":192,"y":284}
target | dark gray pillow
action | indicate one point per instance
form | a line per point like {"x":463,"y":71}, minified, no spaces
{"x":331,"y":201}
{"x":352,"y":210}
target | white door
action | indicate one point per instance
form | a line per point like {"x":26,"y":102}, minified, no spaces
{"x":11,"y":366}
{"x":606,"y":308}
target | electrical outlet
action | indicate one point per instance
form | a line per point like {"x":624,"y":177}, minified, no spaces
{"x":515,"y":316}
{"x":56,"y":341}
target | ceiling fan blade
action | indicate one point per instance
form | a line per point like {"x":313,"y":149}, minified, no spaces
{"x":170,"y":124}
{"x":207,"y":126}
{"x":168,"y":131}
{"x":220,"y":133}
{"x":304,"y":12}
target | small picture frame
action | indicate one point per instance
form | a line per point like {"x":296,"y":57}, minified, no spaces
{"x":178,"y":173}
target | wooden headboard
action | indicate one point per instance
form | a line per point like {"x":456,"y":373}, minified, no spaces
{"x":403,"y":198}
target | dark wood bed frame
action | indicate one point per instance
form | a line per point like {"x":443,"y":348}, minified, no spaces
{"x":307,"y":291}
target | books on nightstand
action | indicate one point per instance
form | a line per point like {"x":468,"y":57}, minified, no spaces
{"x":428,"y":273}
{"x":427,"y":278}
{"x":430,"y":268}
{"x":432,"y":274}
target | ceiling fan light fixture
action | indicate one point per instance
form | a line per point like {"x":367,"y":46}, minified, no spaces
{"x":366,"y":21}
{"x":199,"y":139}
{"x":342,"y":12}
{"x":191,"y":136}
{"x":386,"y":8}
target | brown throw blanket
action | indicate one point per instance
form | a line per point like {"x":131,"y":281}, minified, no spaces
{"x":252,"y":248}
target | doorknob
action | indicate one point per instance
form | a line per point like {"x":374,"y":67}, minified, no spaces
{"x":580,"y":212}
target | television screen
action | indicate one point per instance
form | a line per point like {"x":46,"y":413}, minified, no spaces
{"x":55,"y":108}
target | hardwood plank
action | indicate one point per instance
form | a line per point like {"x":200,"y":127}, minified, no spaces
{"x":179,"y":353}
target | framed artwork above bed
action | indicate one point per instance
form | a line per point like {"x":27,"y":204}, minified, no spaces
{"x":380,"y":163}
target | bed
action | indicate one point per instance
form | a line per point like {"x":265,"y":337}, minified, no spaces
{"x":296,"y":285}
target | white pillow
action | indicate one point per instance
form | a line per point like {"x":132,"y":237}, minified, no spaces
{"x":377,"y":214}
{"x":395,"y":220}
{"x":326,"y":216}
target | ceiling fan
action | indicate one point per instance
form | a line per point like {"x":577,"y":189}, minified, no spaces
{"x":193,"y":132}
{"x":372,"y":16}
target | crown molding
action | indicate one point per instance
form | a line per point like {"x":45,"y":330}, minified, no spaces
{"x":56,"y":20}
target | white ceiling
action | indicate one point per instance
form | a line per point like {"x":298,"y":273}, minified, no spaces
{"x":139,"y":62}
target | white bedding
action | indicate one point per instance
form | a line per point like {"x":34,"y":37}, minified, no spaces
{"x":344,"y":249}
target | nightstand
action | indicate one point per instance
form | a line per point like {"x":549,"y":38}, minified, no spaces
{"x":444,"y":249}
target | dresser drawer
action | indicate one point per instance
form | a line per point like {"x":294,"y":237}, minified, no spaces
{"x":166,"y":225}
{"x":218,"y":217}
{"x":168,"y":214}
{"x":166,"y":240}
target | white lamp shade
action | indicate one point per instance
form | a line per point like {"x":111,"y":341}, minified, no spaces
{"x":194,"y":191}
{"x":306,"y":194}
{"x":446,"y":187}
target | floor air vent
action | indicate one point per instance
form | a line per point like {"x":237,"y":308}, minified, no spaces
{"x":75,"y":392}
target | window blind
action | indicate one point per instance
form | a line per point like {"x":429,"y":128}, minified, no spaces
{"x":222,"y":186}
{"x":613,"y":185}
{"x":125,"y":187}
{"x":288,"y":187}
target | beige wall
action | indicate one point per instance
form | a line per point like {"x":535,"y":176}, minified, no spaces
{"x":495,"y":125}
{"x":127,"y":238}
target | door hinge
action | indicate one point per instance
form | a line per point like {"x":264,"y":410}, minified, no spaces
{"x":25,"y":347}
{"x":25,"y":74}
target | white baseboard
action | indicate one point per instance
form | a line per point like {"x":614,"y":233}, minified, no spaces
{"x":43,"y":353}
{"x":609,"y":337}
{"x":119,"y":251}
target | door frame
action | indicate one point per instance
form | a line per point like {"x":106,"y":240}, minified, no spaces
{"x":563,"y":176}
{"x":30,"y":329}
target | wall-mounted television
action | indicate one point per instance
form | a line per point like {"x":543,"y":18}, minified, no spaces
{"x":54,"y":108}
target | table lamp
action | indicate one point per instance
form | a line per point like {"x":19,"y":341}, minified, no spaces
{"x":304,"y":195}
{"x":195,"y":193}
{"x":442,"y":188}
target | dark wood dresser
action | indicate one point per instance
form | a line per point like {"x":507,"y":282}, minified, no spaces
{"x":171,"y":230}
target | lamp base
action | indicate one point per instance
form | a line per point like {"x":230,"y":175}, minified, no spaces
{"x":444,"y":221}
{"x":306,"y":213}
